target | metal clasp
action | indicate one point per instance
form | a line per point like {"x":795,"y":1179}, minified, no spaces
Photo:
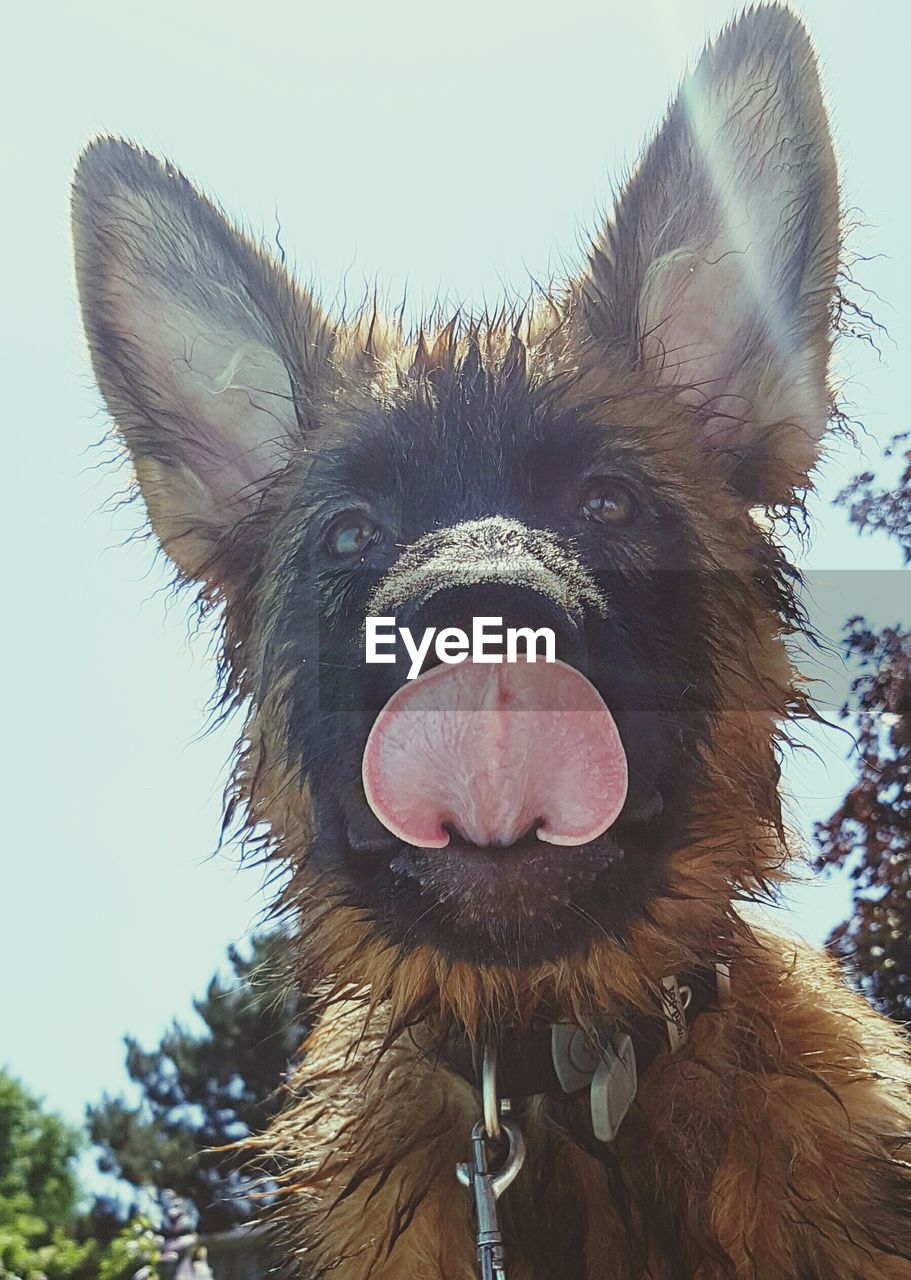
{"x":487,"y":1187}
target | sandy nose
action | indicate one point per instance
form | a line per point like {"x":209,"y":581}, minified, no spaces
{"x":493,"y":751}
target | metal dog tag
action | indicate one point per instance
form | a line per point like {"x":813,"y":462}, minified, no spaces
{"x":614,"y":1086}
{"x":575,"y":1056}
{"x":674,"y":1002}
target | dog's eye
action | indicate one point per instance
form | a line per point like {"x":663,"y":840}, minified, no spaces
{"x":609,"y":502}
{"x":351,"y":534}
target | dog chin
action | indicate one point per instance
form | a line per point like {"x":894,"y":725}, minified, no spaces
{"x":529,"y":903}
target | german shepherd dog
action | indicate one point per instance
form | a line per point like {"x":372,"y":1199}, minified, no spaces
{"x":524,"y":880}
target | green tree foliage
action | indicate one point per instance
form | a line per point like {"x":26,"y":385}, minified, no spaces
{"x":38,"y":1192}
{"x":207,"y":1089}
{"x":134,"y":1251}
{"x":870,"y":832}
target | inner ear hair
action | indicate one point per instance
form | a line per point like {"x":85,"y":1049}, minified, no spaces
{"x":207,"y":354}
{"x":716,"y":272}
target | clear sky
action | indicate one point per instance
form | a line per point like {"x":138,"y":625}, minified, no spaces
{"x":454,"y":148}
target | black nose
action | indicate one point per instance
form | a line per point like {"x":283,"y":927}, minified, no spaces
{"x":515,"y":604}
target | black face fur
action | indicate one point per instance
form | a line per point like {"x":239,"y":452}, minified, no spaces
{"x":475,"y":443}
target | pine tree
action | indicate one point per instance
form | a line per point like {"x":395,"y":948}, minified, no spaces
{"x":208,"y":1089}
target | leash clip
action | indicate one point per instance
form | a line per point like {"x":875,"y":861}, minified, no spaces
{"x":487,"y":1187}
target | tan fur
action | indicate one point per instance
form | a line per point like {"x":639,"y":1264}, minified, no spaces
{"x":765,"y":1133}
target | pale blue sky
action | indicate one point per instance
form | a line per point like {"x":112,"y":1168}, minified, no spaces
{"x":449,"y":147}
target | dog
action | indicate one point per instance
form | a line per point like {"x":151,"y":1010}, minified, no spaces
{"x":520,"y":884}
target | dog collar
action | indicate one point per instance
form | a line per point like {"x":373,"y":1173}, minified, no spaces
{"x":562,"y":1061}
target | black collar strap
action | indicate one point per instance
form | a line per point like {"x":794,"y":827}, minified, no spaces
{"x":561,"y":1060}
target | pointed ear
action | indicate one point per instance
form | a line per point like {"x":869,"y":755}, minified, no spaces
{"x":204,"y":350}
{"x":717,"y":271}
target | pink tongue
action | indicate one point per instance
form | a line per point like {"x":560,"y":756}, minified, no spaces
{"x":493,"y":751}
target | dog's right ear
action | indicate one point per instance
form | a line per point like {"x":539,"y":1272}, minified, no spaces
{"x":205,"y":351}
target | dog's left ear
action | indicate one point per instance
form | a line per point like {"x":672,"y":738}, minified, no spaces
{"x":716,"y":272}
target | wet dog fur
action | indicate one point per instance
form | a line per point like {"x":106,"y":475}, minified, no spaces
{"x":689,"y":363}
